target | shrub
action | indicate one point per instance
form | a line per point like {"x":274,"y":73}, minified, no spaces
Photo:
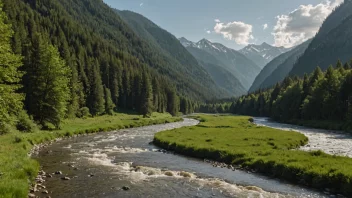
{"x":24,"y":123}
{"x":84,"y":113}
{"x":5,"y":128}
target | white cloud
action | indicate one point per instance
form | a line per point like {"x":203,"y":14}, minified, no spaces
{"x":208,"y":32}
{"x":141,"y":4}
{"x":217,"y":20}
{"x":302,"y":23}
{"x":238,"y":31}
{"x":265,"y":26}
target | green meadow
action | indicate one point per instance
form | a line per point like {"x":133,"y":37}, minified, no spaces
{"x":18,"y":170}
{"x":235,"y":140}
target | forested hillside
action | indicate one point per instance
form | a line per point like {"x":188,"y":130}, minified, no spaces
{"x":279,"y":68}
{"x":321,"y":99}
{"x":333,"y":42}
{"x":75,"y":58}
{"x":168,"y":45}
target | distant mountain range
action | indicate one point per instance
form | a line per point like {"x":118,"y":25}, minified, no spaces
{"x":277,"y":69}
{"x":262,"y":54}
{"x":212,"y":55}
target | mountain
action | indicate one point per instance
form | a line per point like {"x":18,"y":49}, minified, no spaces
{"x":332,"y":42}
{"x":279,"y":68}
{"x":229,"y":59}
{"x":222,"y":77}
{"x":167,"y":45}
{"x":262,"y":54}
{"x":76,"y":22}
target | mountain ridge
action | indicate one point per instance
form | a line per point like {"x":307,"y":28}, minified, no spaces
{"x":262,"y":54}
{"x":229,"y":59}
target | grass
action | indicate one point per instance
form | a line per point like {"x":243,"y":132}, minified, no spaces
{"x":235,"y":140}
{"x":18,"y":170}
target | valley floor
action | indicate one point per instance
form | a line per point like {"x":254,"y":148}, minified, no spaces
{"x":235,"y":140}
{"x":18,"y":170}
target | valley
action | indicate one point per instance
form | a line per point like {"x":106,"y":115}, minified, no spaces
{"x":105,"y":98}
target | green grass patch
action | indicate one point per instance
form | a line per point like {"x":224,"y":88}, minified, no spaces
{"x":18,"y":170}
{"x":269,"y":151}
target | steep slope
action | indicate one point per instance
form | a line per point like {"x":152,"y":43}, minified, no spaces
{"x":284,"y":69}
{"x":285,"y":62}
{"x":236,"y":63}
{"x":333,"y":42}
{"x":262,"y":54}
{"x":97,"y":20}
{"x":170,"y":47}
{"x":222,"y":77}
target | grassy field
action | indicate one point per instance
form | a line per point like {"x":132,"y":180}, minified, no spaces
{"x":234,"y":140}
{"x":18,"y":170}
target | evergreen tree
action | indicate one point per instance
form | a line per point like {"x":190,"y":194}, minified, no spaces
{"x":172,"y":102}
{"x":96,"y":102}
{"x":146,"y":96}
{"x":109,"y":104}
{"x":10,"y":76}
{"x":47,"y":84}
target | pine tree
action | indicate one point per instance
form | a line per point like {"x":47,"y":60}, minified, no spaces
{"x":146,"y":96}
{"x":10,"y":76}
{"x":48,"y":80}
{"x":96,"y":103}
{"x":109,"y":104}
{"x":172,"y":102}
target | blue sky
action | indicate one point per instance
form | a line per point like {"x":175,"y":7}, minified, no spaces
{"x":241,"y":21}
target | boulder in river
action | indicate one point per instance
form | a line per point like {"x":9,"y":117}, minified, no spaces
{"x":58,"y":173}
{"x":45,"y":192}
{"x":125,"y":188}
{"x":66,"y":178}
{"x":30,"y":195}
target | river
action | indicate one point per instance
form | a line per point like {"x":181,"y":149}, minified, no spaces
{"x":329,"y":141}
{"x":102,"y":164}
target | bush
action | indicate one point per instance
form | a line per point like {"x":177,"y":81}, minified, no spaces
{"x":24,"y":123}
{"x":84,"y":112}
{"x":5,"y":128}
{"x":251,"y":120}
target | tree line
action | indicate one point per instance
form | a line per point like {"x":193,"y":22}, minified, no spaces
{"x":320,"y":96}
{"x":51,"y":69}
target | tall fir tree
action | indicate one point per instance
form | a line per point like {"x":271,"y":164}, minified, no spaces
{"x":47,"y":84}
{"x":96,"y":102}
{"x":109,"y":104}
{"x":146,"y":96}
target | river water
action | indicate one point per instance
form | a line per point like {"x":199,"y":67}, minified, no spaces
{"x":328,"y":141}
{"x":100,"y":165}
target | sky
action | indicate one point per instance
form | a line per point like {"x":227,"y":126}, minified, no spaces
{"x":235,"y":23}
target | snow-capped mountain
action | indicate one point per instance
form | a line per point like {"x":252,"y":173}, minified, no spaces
{"x":262,"y":54}
{"x":186,"y":43}
{"x":229,"y":59}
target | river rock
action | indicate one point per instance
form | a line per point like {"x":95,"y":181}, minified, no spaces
{"x":30,"y":195}
{"x":58,"y":173}
{"x":66,"y":178}
{"x":41,"y":186}
{"x":45,"y":192}
{"x":125,"y":188}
